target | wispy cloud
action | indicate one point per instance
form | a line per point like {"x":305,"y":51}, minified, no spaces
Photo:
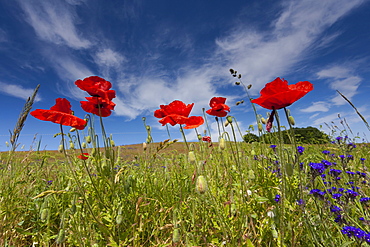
{"x":54,"y":22}
{"x":343,"y":79}
{"x":264,"y":55}
{"x":319,"y":106}
{"x":17,"y":91}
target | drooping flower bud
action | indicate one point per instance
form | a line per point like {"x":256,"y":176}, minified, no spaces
{"x":176,"y":235}
{"x":83,"y":145}
{"x":237,"y":83}
{"x":112,"y":143}
{"x":72,"y":130}
{"x":144,"y":146}
{"x":260,"y":128}
{"x":229,"y":119}
{"x":249,"y":86}
{"x":191,"y":157}
{"x":263,"y":120}
{"x":60,"y":148}
{"x":291,"y":120}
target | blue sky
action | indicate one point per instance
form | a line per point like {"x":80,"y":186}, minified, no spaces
{"x":154,"y":52}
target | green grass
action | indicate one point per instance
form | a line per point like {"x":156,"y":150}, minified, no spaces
{"x":125,"y":196}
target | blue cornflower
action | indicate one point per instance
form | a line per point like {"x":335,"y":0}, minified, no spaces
{"x":335,"y":172}
{"x":364,"y":199}
{"x":326,"y":152}
{"x":350,"y":157}
{"x":317,"y":168}
{"x":352,"y":231}
{"x":361,"y":218}
{"x":342,"y":156}
{"x":335,"y":209}
{"x":273,"y":147}
{"x":339,"y":138}
{"x":362,"y":160}
{"x":337,"y":196}
{"x":300,"y":202}
{"x":277,"y":198}
{"x":351,"y":193}
{"x":350,"y":173}
{"x":327,"y":163}
{"x":300,"y":149}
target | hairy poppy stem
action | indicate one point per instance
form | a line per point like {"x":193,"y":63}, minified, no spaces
{"x":183,"y":136}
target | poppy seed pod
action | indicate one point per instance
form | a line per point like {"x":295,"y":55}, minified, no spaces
{"x":201,"y":185}
{"x":222,"y":144}
{"x":291,"y":120}
{"x":176,"y":235}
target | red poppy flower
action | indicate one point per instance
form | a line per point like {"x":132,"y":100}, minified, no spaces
{"x":98,"y":106}
{"x":218,"y":107}
{"x":97,"y":87}
{"x":206,"y":139}
{"x":177,"y":112}
{"x":278,"y":94}
{"x":193,"y":122}
{"x":83,"y":156}
{"x":60,"y":113}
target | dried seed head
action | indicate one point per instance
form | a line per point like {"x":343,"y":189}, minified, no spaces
{"x":201,"y":185}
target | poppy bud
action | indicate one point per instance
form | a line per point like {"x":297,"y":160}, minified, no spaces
{"x":263,"y":120}
{"x":119,"y":219}
{"x":88,"y":139}
{"x":226,"y":123}
{"x":231,"y":71}
{"x":259,"y":127}
{"x":229,"y":119}
{"x":291,"y":120}
{"x":191,"y":157}
{"x":61,"y":236}
{"x":72,"y":130}
{"x":112,"y":143}
{"x":249,"y":86}
{"x":289,"y":169}
{"x":222,"y":144}
{"x":83,"y":145}
{"x":71,"y":145}
{"x":176,"y":235}
{"x":240,"y":76}
{"x":237,"y":83}
{"x":144,"y":146}
{"x":147,"y":127}
{"x":253,"y":152}
{"x":201,"y":185}
{"x":7,"y":144}
{"x":199,"y":137}
{"x":143,"y":118}
{"x":60,"y":148}
{"x":44,"y":214}
{"x":242,"y":101}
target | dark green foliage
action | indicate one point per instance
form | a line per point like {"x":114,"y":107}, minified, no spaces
{"x":308,"y":135}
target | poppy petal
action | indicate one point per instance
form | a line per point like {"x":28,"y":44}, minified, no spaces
{"x":194,"y":122}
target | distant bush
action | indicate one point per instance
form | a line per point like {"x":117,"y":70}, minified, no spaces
{"x":308,"y":135}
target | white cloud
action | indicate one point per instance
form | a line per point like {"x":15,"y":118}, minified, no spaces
{"x":343,"y":79}
{"x":319,"y":106}
{"x":54,"y":22}
{"x":263,"y":55}
{"x":17,"y":91}
{"x":108,"y":58}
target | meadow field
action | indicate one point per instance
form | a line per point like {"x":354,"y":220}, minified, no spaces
{"x":215,"y":192}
